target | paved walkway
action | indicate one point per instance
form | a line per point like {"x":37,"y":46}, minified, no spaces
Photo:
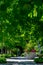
{"x":21,"y":64}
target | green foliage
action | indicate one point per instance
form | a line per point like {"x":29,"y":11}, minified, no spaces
{"x":20,"y":22}
{"x":2,"y":60}
{"x":7,"y":55}
{"x":38,"y":60}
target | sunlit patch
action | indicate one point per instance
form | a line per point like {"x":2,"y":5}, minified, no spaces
{"x":9,"y":10}
{"x":41,"y":18}
{"x":7,"y":21}
{"x":22,"y":35}
{"x":30,"y":15}
{"x":35,"y":12}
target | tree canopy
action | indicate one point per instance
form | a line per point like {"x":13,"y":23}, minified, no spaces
{"x":21,"y":23}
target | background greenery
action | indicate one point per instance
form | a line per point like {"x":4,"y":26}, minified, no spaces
{"x":21,"y":24}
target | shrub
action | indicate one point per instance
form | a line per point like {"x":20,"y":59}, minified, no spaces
{"x":38,"y":60}
{"x":13,"y":55}
{"x":7,"y":55}
{"x":2,"y":60}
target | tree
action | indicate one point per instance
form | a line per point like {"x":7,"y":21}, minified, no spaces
{"x":20,"y":22}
